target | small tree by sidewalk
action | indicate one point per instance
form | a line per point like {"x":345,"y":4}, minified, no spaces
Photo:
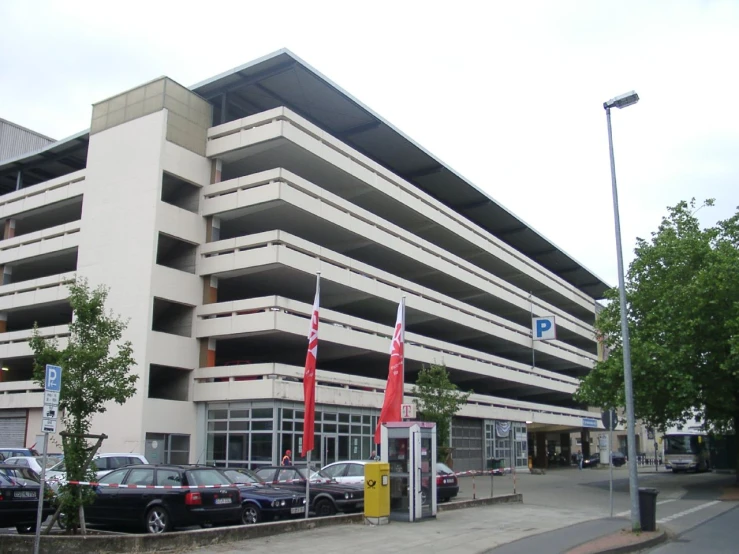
{"x":96,"y":368}
{"x":438,"y":399}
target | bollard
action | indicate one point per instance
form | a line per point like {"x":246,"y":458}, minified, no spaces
{"x":491,"y":484}
{"x":473,"y":487}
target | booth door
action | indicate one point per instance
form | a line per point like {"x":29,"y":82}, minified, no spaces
{"x":419,"y":493}
{"x":428,"y":480}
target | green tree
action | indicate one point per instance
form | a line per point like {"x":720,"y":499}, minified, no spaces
{"x":438,"y":399}
{"x":96,"y":371}
{"x":683,"y":312}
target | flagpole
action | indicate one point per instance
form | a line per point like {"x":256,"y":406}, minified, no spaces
{"x":402,"y":340}
{"x":533,"y":351}
{"x":307,"y":487}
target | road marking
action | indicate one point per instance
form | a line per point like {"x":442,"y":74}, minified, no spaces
{"x":686,"y":512}
{"x":627,"y":512}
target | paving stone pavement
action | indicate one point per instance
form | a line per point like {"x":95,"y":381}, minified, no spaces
{"x":474,"y":530}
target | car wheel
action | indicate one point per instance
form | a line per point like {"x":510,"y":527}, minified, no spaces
{"x":250,"y":514}
{"x":26,"y":529}
{"x":325,"y":507}
{"x":157,"y":520}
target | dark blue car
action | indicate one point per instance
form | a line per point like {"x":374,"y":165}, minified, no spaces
{"x":263,"y":502}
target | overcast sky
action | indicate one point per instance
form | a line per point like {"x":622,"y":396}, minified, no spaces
{"x":509,"y":95}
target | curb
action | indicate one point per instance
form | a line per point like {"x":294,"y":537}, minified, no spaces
{"x":177,"y":541}
{"x":634,"y":547}
{"x":461,"y":504}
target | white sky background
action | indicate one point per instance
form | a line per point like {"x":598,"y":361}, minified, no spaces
{"x":509,"y":94}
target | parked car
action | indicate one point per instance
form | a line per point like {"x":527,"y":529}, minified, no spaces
{"x":352,"y":472}
{"x":618,"y":459}
{"x":447,"y":485}
{"x":326,"y":495}
{"x":591,"y":461}
{"x":19,"y":496}
{"x":11,"y":452}
{"x":32,"y":462}
{"x":104,"y":464}
{"x":262,"y":502}
{"x":161,"y":510}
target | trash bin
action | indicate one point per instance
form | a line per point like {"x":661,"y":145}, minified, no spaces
{"x":496,"y":464}
{"x":648,"y":509}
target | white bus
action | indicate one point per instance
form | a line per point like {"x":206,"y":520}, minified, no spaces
{"x":687,"y":450}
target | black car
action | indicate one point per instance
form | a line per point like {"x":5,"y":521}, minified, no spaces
{"x":19,"y":496}
{"x":591,"y":461}
{"x":262,"y":502}
{"x":132,"y":496}
{"x":326,"y":495}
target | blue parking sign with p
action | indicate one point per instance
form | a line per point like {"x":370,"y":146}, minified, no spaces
{"x":53,"y":378}
{"x":544,"y":328}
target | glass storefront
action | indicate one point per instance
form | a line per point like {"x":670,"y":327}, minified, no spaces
{"x":253,"y":434}
{"x":506,"y":441}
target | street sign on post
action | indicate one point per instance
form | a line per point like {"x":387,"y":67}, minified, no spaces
{"x":609,"y":419}
{"x":52,"y":389}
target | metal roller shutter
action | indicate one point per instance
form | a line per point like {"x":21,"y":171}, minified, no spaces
{"x":467,"y":441}
{"x":12,"y":428}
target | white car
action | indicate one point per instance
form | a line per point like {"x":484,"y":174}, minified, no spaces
{"x":33,"y":462}
{"x":349,"y":472}
{"x":104,"y":464}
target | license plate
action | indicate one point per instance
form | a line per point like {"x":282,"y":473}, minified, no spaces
{"x":300,"y":510}
{"x":226,"y":500}
{"x":447,"y":481}
{"x":25,"y":494}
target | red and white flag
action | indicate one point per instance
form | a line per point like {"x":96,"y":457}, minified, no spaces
{"x":309,"y":377}
{"x":394,"y":389}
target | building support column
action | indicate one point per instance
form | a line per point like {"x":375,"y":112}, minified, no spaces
{"x":585,"y":442}
{"x":542,"y":458}
{"x":565,"y":447}
{"x":7,"y":275}
{"x":9,"y":230}
{"x":207,"y":352}
{"x":210,"y":291}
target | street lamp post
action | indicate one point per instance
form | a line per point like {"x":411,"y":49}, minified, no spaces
{"x":624,"y":101}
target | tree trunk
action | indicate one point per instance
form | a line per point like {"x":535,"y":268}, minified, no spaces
{"x":736,"y":445}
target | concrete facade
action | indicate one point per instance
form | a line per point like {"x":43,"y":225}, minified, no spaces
{"x":209,"y":216}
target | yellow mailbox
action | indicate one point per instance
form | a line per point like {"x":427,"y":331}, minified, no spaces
{"x":377,"y":490}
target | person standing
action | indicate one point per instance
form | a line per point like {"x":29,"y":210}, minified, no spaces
{"x":287,"y":458}
{"x":579,"y":459}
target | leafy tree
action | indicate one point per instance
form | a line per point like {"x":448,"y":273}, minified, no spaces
{"x":438,"y":399}
{"x":93,"y":375}
{"x":683,"y":295}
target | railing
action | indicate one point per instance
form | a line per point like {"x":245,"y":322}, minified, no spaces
{"x":43,"y":235}
{"x":20,"y":387}
{"x":205,"y":375}
{"x":12,"y":337}
{"x":33,"y":285}
{"x":328,"y":317}
{"x":7,"y":200}
{"x":273,"y":239}
{"x":285,"y":115}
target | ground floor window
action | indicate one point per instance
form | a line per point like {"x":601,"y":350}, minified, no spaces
{"x":253,"y":434}
{"x":166,"y":448}
{"x":506,"y":444}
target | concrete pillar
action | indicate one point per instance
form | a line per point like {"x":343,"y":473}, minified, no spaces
{"x":564,"y":444}
{"x":216,"y":171}
{"x":9,"y":230}
{"x":208,"y":353}
{"x":7,"y":275}
{"x":210,"y":292}
{"x":542,"y":460}
{"x":585,"y":440}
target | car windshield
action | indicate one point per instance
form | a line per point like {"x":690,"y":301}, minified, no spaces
{"x":50,"y":462}
{"x":21,"y":475}
{"x":59,"y":467}
{"x":205,"y":477}
{"x":240,"y":476}
{"x":443,"y":468}
{"x":317,"y":475}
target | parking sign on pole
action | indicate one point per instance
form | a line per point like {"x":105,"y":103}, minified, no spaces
{"x":52,"y":390}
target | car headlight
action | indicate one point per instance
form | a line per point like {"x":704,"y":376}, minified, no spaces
{"x":275,"y":503}
{"x":282,"y":502}
{"x":348,"y":495}
{"x":303,"y":500}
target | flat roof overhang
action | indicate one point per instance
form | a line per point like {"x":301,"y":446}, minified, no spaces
{"x":283,"y":79}
{"x":56,"y":159}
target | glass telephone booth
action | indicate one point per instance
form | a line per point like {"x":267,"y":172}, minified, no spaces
{"x":410,"y":449}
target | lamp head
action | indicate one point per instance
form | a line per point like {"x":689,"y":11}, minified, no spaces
{"x":623,"y":101}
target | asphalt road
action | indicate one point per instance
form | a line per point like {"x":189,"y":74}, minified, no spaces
{"x":717,"y":535}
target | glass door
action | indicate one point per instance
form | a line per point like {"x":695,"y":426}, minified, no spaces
{"x":428,"y":486}
{"x":330,"y":450}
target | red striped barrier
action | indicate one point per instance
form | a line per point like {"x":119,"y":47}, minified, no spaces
{"x":117,"y":486}
{"x":473,"y":472}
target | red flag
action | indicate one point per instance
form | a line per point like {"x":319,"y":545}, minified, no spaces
{"x":394,"y":389}
{"x":309,"y":377}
